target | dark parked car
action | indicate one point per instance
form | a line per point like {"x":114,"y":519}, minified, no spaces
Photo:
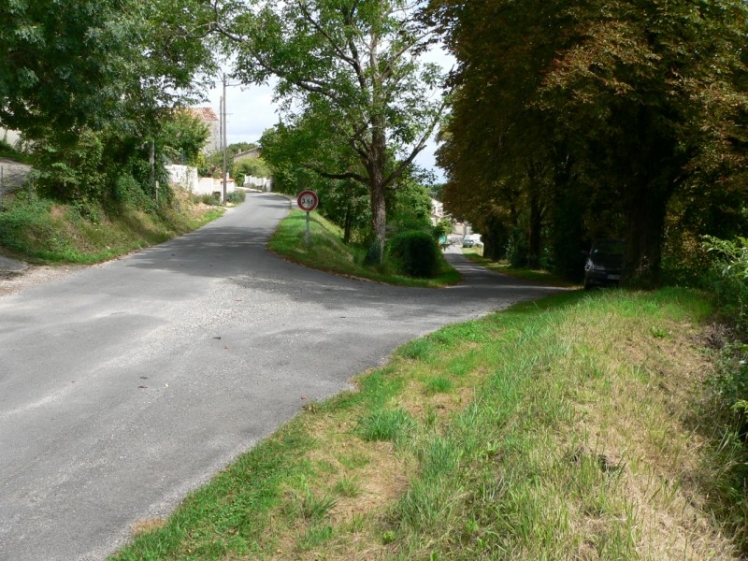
{"x":604,"y":262}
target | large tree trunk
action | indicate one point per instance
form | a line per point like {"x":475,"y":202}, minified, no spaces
{"x":377,"y":168}
{"x":534,"y":238}
{"x":495,"y":237}
{"x":348,"y":219}
{"x":644,"y":234}
{"x":378,"y":217}
{"x":655,"y":164}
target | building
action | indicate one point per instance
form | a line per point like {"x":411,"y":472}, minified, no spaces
{"x":209,"y":118}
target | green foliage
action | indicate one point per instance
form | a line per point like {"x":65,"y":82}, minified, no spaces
{"x":417,"y":252}
{"x":327,"y":252}
{"x":71,"y":171}
{"x":585,"y":119}
{"x":45,"y":229}
{"x":298,"y":152}
{"x":353,"y":72}
{"x":182,"y":137}
{"x":8,"y":151}
{"x":409,"y":205}
{"x":212,"y":199}
{"x":730,"y":384}
{"x":92,"y":86}
{"x":212,"y":164}
{"x":129,"y":193}
{"x":443,"y":228}
{"x":76,"y":64}
{"x":236,"y":197}
{"x":255,"y":167}
{"x":730,"y":279}
{"x":26,"y":224}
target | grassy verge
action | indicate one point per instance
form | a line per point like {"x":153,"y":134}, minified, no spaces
{"x":475,"y":254}
{"x":43,"y":231}
{"x":327,"y":252}
{"x":571,"y":428}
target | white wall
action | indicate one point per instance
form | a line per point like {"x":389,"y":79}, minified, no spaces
{"x":184,"y":176}
{"x":262,"y":183}
{"x":187,"y":178}
{"x":208,"y":185}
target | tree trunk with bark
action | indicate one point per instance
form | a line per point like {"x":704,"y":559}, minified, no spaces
{"x":377,"y":185}
{"x":644,"y":235}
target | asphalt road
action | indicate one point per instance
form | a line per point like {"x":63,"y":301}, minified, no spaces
{"x":126,"y":385}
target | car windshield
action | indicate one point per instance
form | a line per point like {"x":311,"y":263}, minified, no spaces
{"x":608,"y":247}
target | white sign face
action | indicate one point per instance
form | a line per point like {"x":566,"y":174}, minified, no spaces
{"x":308,"y":200}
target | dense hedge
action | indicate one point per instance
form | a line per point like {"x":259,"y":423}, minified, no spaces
{"x":416,"y":252}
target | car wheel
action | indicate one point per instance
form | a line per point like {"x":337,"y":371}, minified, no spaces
{"x":587,"y":284}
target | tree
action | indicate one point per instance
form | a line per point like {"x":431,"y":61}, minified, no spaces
{"x":295,"y":150}
{"x":77,"y":63}
{"x":182,"y":137}
{"x":354,"y":65}
{"x":623,"y":104}
{"x":99,"y":76}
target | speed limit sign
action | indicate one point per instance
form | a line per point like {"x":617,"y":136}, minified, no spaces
{"x":308,"y":201}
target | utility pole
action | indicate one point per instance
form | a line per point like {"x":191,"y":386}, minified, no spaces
{"x":223,"y":140}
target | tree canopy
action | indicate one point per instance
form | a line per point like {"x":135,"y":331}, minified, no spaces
{"x":93,"y":85}
{"x":353,"y":66}
{"x":69,"y":64}
{"x":577,"y":119}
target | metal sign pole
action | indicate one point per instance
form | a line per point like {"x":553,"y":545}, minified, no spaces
{"x":307,"y":201}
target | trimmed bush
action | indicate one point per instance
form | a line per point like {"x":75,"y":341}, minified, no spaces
{"x":417,"y":253}
{"x":236,"y":197}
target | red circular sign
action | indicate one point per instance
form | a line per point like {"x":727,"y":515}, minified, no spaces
{"x":308,"y":201}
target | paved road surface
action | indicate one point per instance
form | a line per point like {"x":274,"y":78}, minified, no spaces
{"x":126,"y":385}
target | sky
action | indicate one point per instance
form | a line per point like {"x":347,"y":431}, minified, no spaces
{"x":250,"y":111}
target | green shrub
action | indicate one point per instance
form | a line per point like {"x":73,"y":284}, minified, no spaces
{"x":213,"y":199}
{"x":417,"y":253}
{"x":256,"y":167}
{"x":128,"y":192}
{"x":71,"y":171}
{"x":729,"y":280}
{"x":236,"y":197}
{"x":26,"y":225}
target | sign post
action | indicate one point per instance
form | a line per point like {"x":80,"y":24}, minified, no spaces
{"x":307,"y":201}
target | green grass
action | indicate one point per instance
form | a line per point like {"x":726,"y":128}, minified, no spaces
{"x":570,"y":428}
{"x":475,"y":254}
{"x":43,"y":231}
{"x":327,"y":252}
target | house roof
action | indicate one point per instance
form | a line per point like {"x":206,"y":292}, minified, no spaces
{"x":204,"y":113}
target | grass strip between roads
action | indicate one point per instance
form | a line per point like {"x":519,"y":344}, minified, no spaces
{"x":327,"y":252}
{"x":569,"y":428}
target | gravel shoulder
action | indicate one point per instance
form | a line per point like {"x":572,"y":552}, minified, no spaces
{"x":12,"y":281}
